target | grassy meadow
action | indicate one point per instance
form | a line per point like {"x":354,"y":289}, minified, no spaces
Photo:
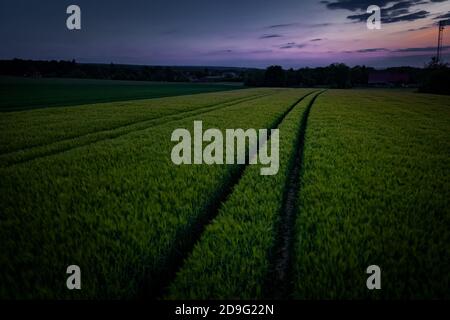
{"x":86,"y":178}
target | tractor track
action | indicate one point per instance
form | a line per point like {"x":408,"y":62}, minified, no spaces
{"x":158,"y":289}
{"x":279,"y":282}
{"x":54,"y":148}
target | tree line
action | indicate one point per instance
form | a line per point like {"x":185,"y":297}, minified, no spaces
{"x":336,"y":75}
{"x":433,"y":78}
{"x":72,"y":69}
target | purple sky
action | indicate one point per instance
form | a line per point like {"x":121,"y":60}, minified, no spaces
{"x":247,"y":33}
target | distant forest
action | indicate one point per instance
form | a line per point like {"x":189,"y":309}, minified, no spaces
{"x":433,"y":78}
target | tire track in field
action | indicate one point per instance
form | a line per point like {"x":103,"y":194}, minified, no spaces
{"x":35,"y":152}
{"x":126,"y":124}
{"x":152,"y":289}
{"x":279,"y":282}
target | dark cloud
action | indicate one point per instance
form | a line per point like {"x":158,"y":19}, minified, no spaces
{"x":268,"y":36}
{"x":399,"y":8}
{"x":359,"y":17}
{"x":420,"y":49}
{"x":260,"y":51}
{"x":372,"y":50}
{"x":391,"y":12}
{"x":354,"y":5}
{"x":407,"y":17}
{"x":362,"y":5}
{"x":403,"y":5}
{"x":394,"y":13}
{"x":446,"y":22}
{"x":292,"y":45}
{"x":316,"y":39}
{"x":320,"y":25}
{"x":417,"y":29}
{"x":220,"y":52}
{"x":283,"y":25}
{"x":391,"y":19}
{"x":443,"y":16}
{"x":297,"y":24}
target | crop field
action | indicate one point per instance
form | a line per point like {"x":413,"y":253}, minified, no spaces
{"x":363,"y":179}
{"x":22,"y":93}
{"x":375,"y":190}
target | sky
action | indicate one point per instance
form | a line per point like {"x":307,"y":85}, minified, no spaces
{"x":240,"y":33}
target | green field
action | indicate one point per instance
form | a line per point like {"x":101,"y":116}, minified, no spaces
{"x":375,"y":190}
{"x":27,"y":93}
{"x":364,"y":179}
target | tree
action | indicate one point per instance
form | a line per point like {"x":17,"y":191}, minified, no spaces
{"x":338,"y":75}
{"x":437,"y":78}
{"x":254,"y":78}
{"x":275,"y":77}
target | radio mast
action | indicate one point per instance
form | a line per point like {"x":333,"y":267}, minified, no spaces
{"x":439,"y":47}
